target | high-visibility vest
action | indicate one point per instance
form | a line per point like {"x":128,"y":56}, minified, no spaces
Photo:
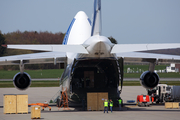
{"x":105,"y":104}
{"x":120,"y":101}
{"x":111,"y":104}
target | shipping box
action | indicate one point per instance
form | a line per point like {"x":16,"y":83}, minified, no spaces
{"x":168,"y":105}
{"x":175,"y":105}
{"x":22,"y":103}
{"x":101,"y":97}
{"x":15,"y":103}
{"x":35,"y":112}
{"x":9,"y":104}
{"x":95,"y":101}
{"x":172,"y":105}
{"x":91,"y":101}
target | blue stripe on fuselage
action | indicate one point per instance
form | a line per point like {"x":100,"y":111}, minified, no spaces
{"x":89,"y":21}
{"x":66,"y":37}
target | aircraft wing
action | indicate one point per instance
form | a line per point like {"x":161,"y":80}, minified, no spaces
{"x":120,"y":48}
{"x":137,"y":57}
{"x":51,"y":47}
{"x":34,"y":58}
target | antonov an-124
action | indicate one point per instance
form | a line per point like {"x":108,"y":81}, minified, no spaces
{"x":94,"y":64}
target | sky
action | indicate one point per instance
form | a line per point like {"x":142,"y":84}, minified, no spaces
{"x":128,"y":21}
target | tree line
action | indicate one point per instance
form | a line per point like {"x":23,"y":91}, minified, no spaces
{"x":31,"y":37}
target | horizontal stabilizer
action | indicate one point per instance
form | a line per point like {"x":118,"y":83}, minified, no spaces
{"x":34,"y":58}
{"x":49,"y":47}
{"x":139,"y":57}
{"x":120,"y":48}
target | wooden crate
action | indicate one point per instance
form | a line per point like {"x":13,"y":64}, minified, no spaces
{"x":175,"y":105}
{"x":91,"y":101}
{"x":22,"y":103}
{"x":100,"y":99}
{"x":35,"y":112}
{"x":95,"y":101}
{"x":168,"y":105}
{"x":9,"y":104}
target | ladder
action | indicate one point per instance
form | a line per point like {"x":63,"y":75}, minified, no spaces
{"x":64,"y":100}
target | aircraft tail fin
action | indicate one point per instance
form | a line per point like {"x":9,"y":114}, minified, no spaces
{"x":96,"y":22}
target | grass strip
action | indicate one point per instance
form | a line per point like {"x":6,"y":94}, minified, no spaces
{"x":56,"y":73}
{"x":137,"y":83}
{"x":161,"y":75}
{"x":50,"y":73}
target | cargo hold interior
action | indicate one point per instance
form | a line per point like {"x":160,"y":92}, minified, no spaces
{"x":94,"y":76}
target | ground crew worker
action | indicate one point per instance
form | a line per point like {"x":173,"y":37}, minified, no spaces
{"x":105,"y":105}
{"x":120,"y":102}
{"x":111,"y":105}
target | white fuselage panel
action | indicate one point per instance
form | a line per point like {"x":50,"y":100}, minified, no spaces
{"x":79,"y":33}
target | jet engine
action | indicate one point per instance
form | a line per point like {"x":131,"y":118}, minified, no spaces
{"x":149,"y":79}
{"x":22,"y":80}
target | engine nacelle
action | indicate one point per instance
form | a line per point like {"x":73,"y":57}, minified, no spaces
{"x":149,"y":79}
{"x":22,"y":80}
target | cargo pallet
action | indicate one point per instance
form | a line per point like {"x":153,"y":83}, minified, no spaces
{"x":17,"y":113}
{"x":10,"y":113}
{"x":36,"y":118}
{"x":22,"y":113}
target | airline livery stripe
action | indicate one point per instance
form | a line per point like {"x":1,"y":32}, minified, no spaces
{"x":89,"y":21}
{"x":68,"y":32}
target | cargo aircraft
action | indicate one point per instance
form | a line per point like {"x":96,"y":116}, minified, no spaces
{"x":94,"y":64}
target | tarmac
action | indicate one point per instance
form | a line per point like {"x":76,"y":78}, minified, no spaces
{"x":129,"y":112}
